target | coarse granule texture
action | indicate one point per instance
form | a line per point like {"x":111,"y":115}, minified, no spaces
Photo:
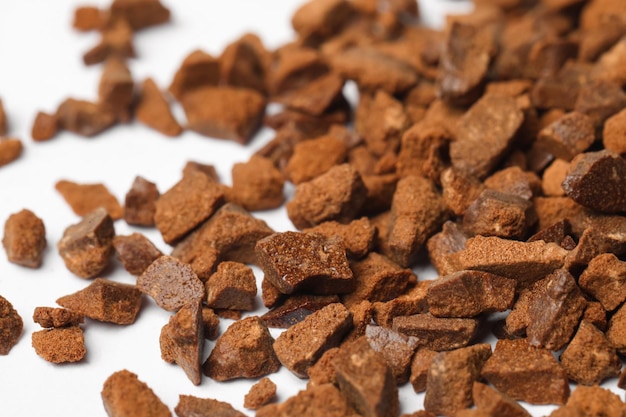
{"x":589,"y":359}
{"x":295,"y":308}
{"x":366,"y":381}
{"x":420,"y":364}
{"x":518,"y":369}
{"x":210,"y":323}
{"x":140,"y":202}
{"x":224,"y":112}
{"x":140,"y":14}
{"x":616,"y":332}
{"x":207,"y":169}
{"x":186,"y":205}
{"x":232,"y":287}
{"x":411,"y":302}
{"x":297,"y":261}
{"x":105,"y":300}
{"x":182,"y":340}
{"x":57,"y":317}
{"x":245,"y":63}
{"x":11,"y":326}
{"x":437,"y":333}
{"x":294,"y":68}
{"x":423,"y":151}
{"x":124,"y":395}
{"x":337,"y":195}
{"x":3,"y":120}
{"x":362,"y":316}
{"x":321,"y":19}
{"x":83,"y":118}
{"x":171,"y":283}
{"x":135,"y":252}
{"x":257,"y":184}
{"x":495,"y":403}
{"x":85,"y":198}
{"x":451,"y":377}
{"x":470,"y":293}
{"x":614,"y":133}
{"x":314,"y":98}
{"x":10,"y":150}
{"x":24,"y":239}
{"x":593,"y":401}
{"x":244,"y":350}
{"x":568,"y":136}
{"x":116,"y":40}
{"x":260,"y":394}
{"x":450,"y":239}
{"x":60,"y":345}
{"x":301,"y":345}
{"x":189,"y":406}
{"x":553,"y":177}
{"x":600,"y":99}
{"x":45,"y":127}
{"x":381,"y":121}
{"x":514,"y":180}
{"x":86,"y":246}
{"x":357,"y":236}
{"x":396,"y":348}
{"x":311,"y":158}
{"x":323,"y":371}
{"x":154,"y":111}
{"x":197,"y":70}
{"x":459,"y":190}
{"x":116,"y":89}
{"x":317,"y":401}
{"x":605,"y":279}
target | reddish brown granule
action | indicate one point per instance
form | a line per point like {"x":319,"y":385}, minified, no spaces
{"x":10,"y":150}
{"x":116,"y":40}
{"x":437,"y":333}
{"x":604,"y":279}
{"x":56,"y":317}
{"x":154,"y":111}
{"x":60,"y":345}
{"x":186,"y":205}
{"x":86,"y":246}
{"x":313,"y":157}
{"x":514,"y":180}
{"x":553,"y":177}
{"x":124,"y":395}
{"x":323,"y":371}
{"x":87,"y":18}
{"x":449,"y":240}
{"x":295,"y":67}
{"x":83,"y":118}
{"x":295,"y":308}
{"x":260,"y":394}
{"x":189,"y":406}
{"x":317,"y":401}
{"x":412,"y":302}
{"x":105,"y":300}
{"x":116,"y":88}
{"x":140,"y":14}
{"x":357,"y":236}
{"x":614,"y":133}
{"x":232,"y":287}
{"x":396,"y":348}
{"x":3,"y":120}
{"x":140,"y":202}
{"x":591,"y":401}
{"x":135,"y":252}
{"x":85,"y":198}
{"x":24,"y":239}
{"x":316,"y":97}
{"x":171,"y":283}
{"x":243,"y":351}
{"x":459,"y":190}
{"x":210,"y":323}
{"x":321,"y":18}
{"x":11,"y":326}
{"x":495,"y":403}
{"x":420,"y":364}
{"x":245,"y":63}
{"x":197,"y":70}
{"x":423,"y":152}
{"x":257,"y":184}
{"x":568,"y":136}
{"x":45,"y":126}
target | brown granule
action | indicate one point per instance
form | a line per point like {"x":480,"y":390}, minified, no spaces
{"x":135,"y":252}
{"x":3,"y":120}
{"x":614,"y":133}
{"x":423,"y":151}
{"x":553,"y":177}
{"x":313,"y":157}
{"x":45,"y":127}
{"x":197,"y":70}
{"x":412,"y":302}
{"x":116,"y":41}
{"x":245,"y":63}
{"x":116,"y":89}
{"x":57,"y":317}
{"x":605,"y":279}
{"x":232,"y":287}
{"x":396,"y":348}
{"x":314,"y":98}
{"x":86,"y":246}
{"x":11,"y":326}
{"x":140,"y":202}
{"x":437,"y":333}
{"x":153,"y":110}
{"x":83,"y":118}
{"x":257,"y":184}
{"x":495,"y":403}
{"x":10,"y":150}
{"x":357,"y":236}
{"x":317,"y":401}
{"x":24,"y":239}
{"x":210,"y":323}
{"x":568,"y":136}
{"x":459,"y":190}
{"x":593,"y":401}
{"x":449,"y":240}
{"x":85,"y":198}
{"x":105,"y":300}
{"x":189,"y":406}
{"x":60,"y":345}
{"x":514,"y":180}
{"x":323,"y":371}
{"x":124,"y":395}
{"x":87,"y":18}
{"x":420,"y":365}
{"x":321,"y":19}
{"x":294,"y":68}
{"x":139,"y":14}
{"x":260,"y":394}
{"x":295,"y":308}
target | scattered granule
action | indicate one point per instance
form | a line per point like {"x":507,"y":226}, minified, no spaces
{"x":396,"y":348}
{"x":60,"y":345}
{"x":197,"y":70}
{"x":362,"y":316}
{"x":301,"y":345}
{"x":308,"y":126}
{"x":140,"y":202}
{"x":495,"y":403}
{"x":87,"y":18}
{"x":171,"y":283}
{"x":440,"y":246}
{"x":105,"y":300}
{"x":594,"y":401}
{"x":257,"y":184}
{"x":245,"y":63}
{"x":140,"y":14}
{"x":85,"y":198}
{"x":86,"y":246}
{"x":322,"y":266}
{"x":604,"y":234}
{"x":24,"y":239}
{"x":568,"y":136}
{"x":260,"y":394}
{"x":224,"y":112}
{"x":616,"y":332}
{"x":116,"y":89}
{"x":513,"y":180}
{"x":11,"y":326}
{"x":312,"y":158}
{"x":315,"y":97}
{"x":244,"y":350}
{"x":210,"y":323}
{"x":189,"y":406}
{"x":420,"y":365}
{"x":182,"y":340}
{"x":83,"y":118}
{"x":596,"y":315}
{"x":295,"y":308}
{"x":154,"y":111}
{"x":451,"y":377}
{"x":614,"y":133}
{"x":321,"y":18}
{"x":124,"y":395}
{"x":411,"y":302}
{"x":600,"y":99}
{"x":10,"y":150}
{"x":323,"y":371}
{"x":136,"y":252}
{"x":45,"y":127}
{"x":207,"y":169}
{"x":365,"y":379}
{"x":294,"y":68}
{"x":337,"y":195}
{"x":459,"y":190}
{"x":186,"y":205}
{"x":116,"y":40}
{"x":48,"y":317}
{"x":380,"y":189}
{"x":232,"y":287}
{"x":605,"y":279}
{"x":553,"y":177}
{"x":317,"y":401}
{"x":437,"y":333}
{"x":423,"y":151}
{"x":357,"y":236}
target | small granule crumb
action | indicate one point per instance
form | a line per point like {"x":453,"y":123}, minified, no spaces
{"x":45,"y":127}
{"x":11,"y":326}
{"x":60,"y":345}
{"x":10,"y":150}
{"x":84,"y":198}
{"x":56,"y":317}
{"x":24,"y":239}
{"x":124,"y":395}
{"x":260,"y":394}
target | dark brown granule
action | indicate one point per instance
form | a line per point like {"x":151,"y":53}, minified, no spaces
{"x":135,"y":252}
{"x":105,"y":300}
{"x":85,"y":198}
{"x":190,"y":406}
{"x":232,"y":287}
{"x":396,"y":348}
{"x":116,"y":89}
{"x":182,"y":340}
{"x":24,"y":239}
{"x":257,"y":184}
{"x":437,"y":333}
{"x":83,"y":118}
{"x":45,"y":127}
{"x":56,"y":317}
{"x":317,"y":401}
{"x":245,"y":63}
{"x":311,"y":158}
{"x":154,"y":111}
{"x":605,"y":279}
{"x":171,"y":283}
{"x":260,"y":394}
{"x":495,"y":403}
{"x":86,"y":246}
{"x":600,"y":99}
{"x":295,"y":308}
{"x":60,"y":345}
{"x":243,"y":351}
{"x":140,"y":202}
{"x":186,"y":205}
{"x":10,"y":150}
{"x":11,"y":326}
{"x":357,"y":236}
{"x":124,"y":395}
{"x":301,"y":345}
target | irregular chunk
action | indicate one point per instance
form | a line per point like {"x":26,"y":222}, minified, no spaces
{"x":396,"y":348}
{"x":154,"y":111}
{"x":116,"y":89}
{"x":116,"y":41}
{"x":135,"y":252}
{"x":451,"y":239}
{"x":57,"y":317}
{"x":568,"y":136}
{"x":311,"y":158}
{"x":257,"y":184}
{"x":614,"y":133}
{"x":60,"y":345}
{"x":189,"y":406}
{"x":605,"y":279}
{"x":459,"y":190}
{"x":10,"y":150}
{"x":245,"y":62}
{"x":124,"y":395}
{"x":295,"y":309}
{"x":437,"y":333}
{"x":260,"y":394}
{"x":594,"y":401}
{"x":140,"y":202}
{"x":24,"y":239}
{"x":83,"y":117}
{"x":412,"y":302}
{"x":324,"y":400}
{"x":495,"y":403}
{"x":197,"y":70}
{"x":140,"y":14}
{"x":420,"y":366}
{"x":11,"y":326}
{"x":85,"y":198}
{"x":45,"y":126}
{"x":424,"y":151}
{"x":357,"y":236}
{"x":232,"y":287}
{"x":321,"y":18}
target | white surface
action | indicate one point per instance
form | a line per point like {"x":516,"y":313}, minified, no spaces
{"x":40,"y":65}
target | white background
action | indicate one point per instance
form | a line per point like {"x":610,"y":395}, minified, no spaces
{"x":41,"y":65}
